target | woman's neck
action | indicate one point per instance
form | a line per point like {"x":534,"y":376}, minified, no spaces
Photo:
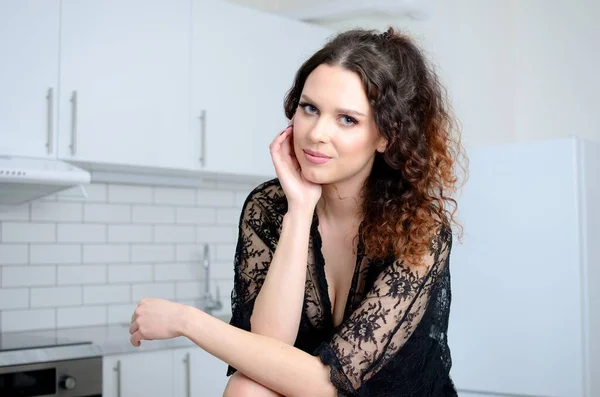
{"x":341,"y":203}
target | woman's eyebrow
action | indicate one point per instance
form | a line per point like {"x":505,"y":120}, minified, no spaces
{"x":339,"y":110}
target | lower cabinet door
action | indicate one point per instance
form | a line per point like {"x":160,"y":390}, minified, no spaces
{"x":143,"y":374}
{"x":197,"y":373}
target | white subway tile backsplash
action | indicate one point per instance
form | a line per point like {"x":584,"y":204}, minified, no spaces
{"x":63,"y":254}
{"x":178,"y":271}
{"x":214,"y":198}
{"x":240,"y":198}
{"x":71,"y":260}
{"x":13,"y":232}
{"x":42,"y":211}
{"x":81,"y":316}
{"x":154,"y":290}
{"x":121,"y":313}
{"x":92,"y":274}
{"x":189,"y":253}
{"x":130,"y":273}
{"x":130,"y":233}
{"x":174,"y":234}
{"x":228,"y":216}
{"x":222,"y":270}
{"x":191,"y":302}
{"x":197,"y":216}
{"x":225,"y":288}
{"x":80,"y":233}
{"x":152,"y":253}
{"x":107,"y":213}
{"x":130,"y":194}
{"x":14,"y":298}
{"x":25,"y":320}
{"x":174,"y":196}
{"x":105,"y":253}
{"x":189,"y":290}
{"x":56,"y":296}
{"x":95,"y":192}
{"x":230,"y":185}
{"x":225,"y":252}
{"x":216,"y":234}
{"x":14,"y":254}
{"x":152,"y":214}
{"x":28,"y":276}
{"x":95,"y":294}
{"x":18,"y":213}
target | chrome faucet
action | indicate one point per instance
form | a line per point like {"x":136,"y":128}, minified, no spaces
{"x":209,"y":304}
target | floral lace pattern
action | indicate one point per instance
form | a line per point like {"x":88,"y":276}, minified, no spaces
{"x":392,"y":341}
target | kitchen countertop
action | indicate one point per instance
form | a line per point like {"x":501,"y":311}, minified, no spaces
{"x":105,"y":340}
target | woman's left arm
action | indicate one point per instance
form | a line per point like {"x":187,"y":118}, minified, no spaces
{"x":372,"y":334}
{"x":276,"y":365}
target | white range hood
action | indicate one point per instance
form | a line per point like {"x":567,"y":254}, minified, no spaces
{"x":24,"y":179}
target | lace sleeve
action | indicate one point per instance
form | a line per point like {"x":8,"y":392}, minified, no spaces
{"x":257,"y":237}
{"x":385,"y":319}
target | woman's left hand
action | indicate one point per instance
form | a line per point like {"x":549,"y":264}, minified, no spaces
{"x":156,"y":318}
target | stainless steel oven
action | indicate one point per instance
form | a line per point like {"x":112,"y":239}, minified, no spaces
{"x":67,"y":378}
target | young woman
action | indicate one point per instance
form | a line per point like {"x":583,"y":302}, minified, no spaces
{"x":342,"y":278}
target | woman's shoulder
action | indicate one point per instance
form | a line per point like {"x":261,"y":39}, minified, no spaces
{"x":268,"y":197}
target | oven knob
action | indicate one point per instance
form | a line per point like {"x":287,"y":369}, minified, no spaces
{"x":67,"y":383}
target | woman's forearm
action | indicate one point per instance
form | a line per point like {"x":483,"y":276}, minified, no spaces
{"x":279,"y":304}
{"x":272,"y":363}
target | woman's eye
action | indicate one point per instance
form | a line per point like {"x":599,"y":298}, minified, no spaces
{"x":309,"y":109}
{"x":346,"y":120}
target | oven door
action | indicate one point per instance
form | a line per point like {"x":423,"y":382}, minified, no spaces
{"x":67,"y":378}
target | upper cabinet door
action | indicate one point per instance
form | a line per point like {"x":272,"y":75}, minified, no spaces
{"x":243,"y":64}
{"x":29,"y":77}
{"x":125,"y":82}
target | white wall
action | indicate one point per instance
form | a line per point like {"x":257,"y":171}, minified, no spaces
{"x":517,"y":70}
{"x":70,"y":261}
{"x":558,"y":64}
{"x":467,"y":41}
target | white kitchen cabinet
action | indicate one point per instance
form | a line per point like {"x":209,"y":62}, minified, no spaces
{"x":29,"y":44}
{"x":143,"y":374}
{"x":243,"y":63}
{"x":524,"y":318}
{"x":198,"y":373}
{"x":124,"y":82}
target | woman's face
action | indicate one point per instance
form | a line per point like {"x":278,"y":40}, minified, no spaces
{"x":335,"y":135}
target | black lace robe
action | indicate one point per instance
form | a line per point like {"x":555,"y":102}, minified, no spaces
{"x":392,"y":340}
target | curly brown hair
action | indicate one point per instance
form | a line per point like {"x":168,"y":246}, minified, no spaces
{"x":411,"y":183}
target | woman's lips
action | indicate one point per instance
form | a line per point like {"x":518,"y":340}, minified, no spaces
{"x":315,"y":157}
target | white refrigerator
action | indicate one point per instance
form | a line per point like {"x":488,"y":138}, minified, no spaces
{"x":525,"y":314}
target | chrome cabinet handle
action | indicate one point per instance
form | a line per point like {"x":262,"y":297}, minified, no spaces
{"x":50,"y":120}
{"x":203,"y":137}
{"x":73,"y":144}
{"x":117,"y":369}
{"x":188,"y":385}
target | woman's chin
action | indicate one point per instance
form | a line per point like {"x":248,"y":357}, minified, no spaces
{"x":318,"y":176}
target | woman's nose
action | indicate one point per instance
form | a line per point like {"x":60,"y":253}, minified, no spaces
{"x":320,"y":131}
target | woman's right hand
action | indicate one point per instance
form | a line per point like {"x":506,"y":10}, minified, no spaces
{"x":300,"y":192}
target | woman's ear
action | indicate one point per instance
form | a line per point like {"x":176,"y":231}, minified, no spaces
{"x":382,"y":144}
